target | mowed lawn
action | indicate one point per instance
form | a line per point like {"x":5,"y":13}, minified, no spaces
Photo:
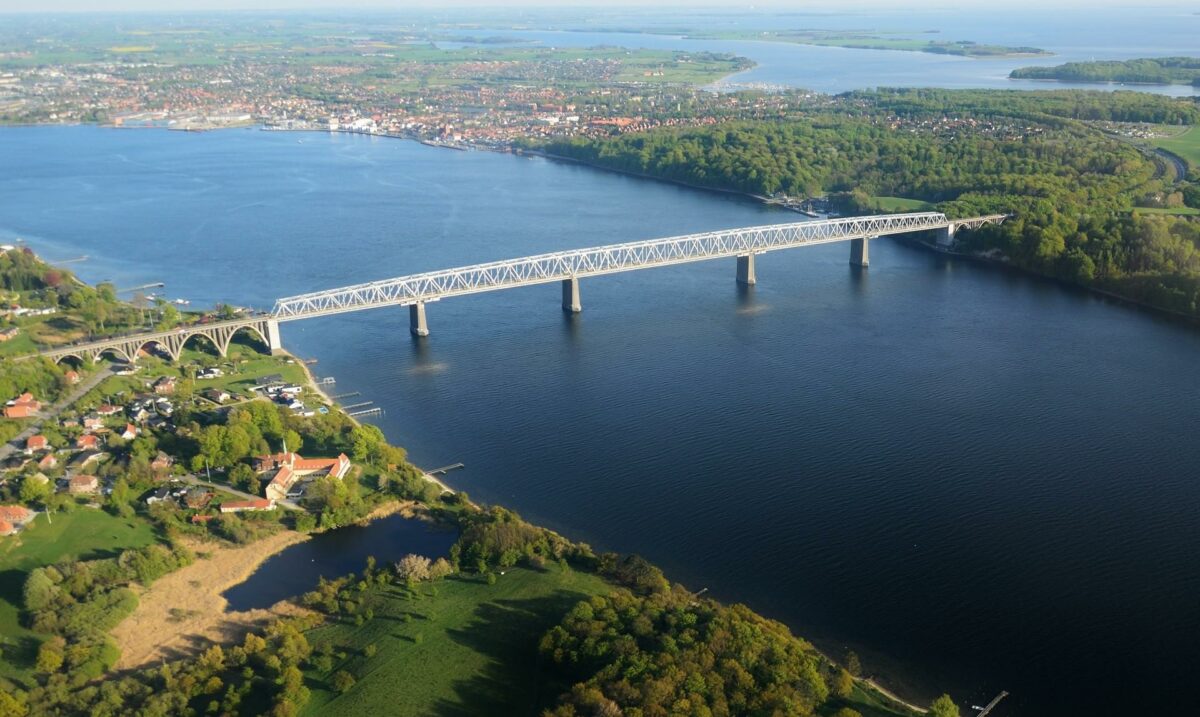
{"x":1186,"y":145}
{"x":469,"y":650}
{"x":86,"y":533}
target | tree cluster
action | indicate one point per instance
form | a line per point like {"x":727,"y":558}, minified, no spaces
{"x":669,"y":653}
{"x":1072,"y":190}
{"x":1153,"y":70}
{"x":80,"y":602}
{"x":261,"y":676}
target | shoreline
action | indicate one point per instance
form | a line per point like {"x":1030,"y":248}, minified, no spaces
{"x":183,"y":612}
{"x":1168,"y":313}
{"x":1003,"y":264}
{"x":334,"y":406}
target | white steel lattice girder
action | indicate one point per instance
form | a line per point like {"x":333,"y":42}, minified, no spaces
{"x":546,"y":268}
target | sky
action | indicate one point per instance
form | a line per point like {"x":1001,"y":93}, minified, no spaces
{"x":7,"y":6}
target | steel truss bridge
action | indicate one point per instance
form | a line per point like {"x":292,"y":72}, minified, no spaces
{"x":570,"y":266}
{"x":566,"y":266}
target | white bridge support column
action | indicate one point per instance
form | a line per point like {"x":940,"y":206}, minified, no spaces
{"x":859,"y":253}
{"x":570,"y":291}
{"x":274,"y":343}
{"x":945,"y":237}
{"x":416,"y":319}
{"x":745,"y":270}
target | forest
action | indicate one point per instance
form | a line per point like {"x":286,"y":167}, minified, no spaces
{"x":1072,"y":189}
{"x":1149,"y":70}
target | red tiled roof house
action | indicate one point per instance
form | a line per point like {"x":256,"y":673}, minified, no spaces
{"x":23,"y":406}
{"x":83,"y":484}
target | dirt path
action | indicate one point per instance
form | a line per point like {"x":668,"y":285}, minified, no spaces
{"x":183,"y":613}
{"x":891,"y":695}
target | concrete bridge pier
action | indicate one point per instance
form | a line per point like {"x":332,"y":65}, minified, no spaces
{"x":416,"y":319}
{"x":745,"y":270}
{"x":859,"y":253}
{"x":274,"y":343}
{"x":570,"y":296}
{"x":945,"y":237}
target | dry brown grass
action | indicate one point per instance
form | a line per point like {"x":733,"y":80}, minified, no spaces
{"x":183,"y":613}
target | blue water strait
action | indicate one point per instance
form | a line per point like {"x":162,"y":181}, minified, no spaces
{"x":1073,"y":35}
{"x":977,"y":479}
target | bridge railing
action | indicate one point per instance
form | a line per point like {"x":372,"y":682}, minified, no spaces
{"x":578,"y":263}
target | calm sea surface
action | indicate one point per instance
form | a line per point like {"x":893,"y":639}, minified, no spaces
{"x":981,"y":477}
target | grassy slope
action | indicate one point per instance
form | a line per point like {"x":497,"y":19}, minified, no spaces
{"x":477,"y":653}
{"x":85,"y":533}
{"x":1177,"y":211}
{"x":1186,"y":145}
{"x":899,"y":204}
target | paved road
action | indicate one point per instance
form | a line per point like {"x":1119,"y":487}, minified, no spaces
{"x":1181,"y":168}
{"x":51,"y":413}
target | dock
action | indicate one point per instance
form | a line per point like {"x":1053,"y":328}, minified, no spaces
{"x":991,"y":705}
{"x":445,"y":469}
{"x":376,"y":411}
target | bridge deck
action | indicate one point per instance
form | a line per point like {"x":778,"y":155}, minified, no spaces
{"x":525,"y":271}
{"x":578,"y":263}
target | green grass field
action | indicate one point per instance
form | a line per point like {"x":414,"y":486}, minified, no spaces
{"x":900,"y":204}
{"x":471,"y":650}
{"x":85,"y":533}
{"x":1174,"y":211}
{"x":868,"y":703}
{"x":1186,"y":145}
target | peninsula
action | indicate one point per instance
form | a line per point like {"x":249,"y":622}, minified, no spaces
{"x":1145,"y":71}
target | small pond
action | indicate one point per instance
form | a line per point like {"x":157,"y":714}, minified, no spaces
{"x":335,"y":553}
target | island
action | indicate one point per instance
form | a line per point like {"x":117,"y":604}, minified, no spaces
{"x":879,"y":41}
{"x":1146,"y":71}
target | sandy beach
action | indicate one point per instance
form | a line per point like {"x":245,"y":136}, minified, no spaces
{"x":183,"y":613}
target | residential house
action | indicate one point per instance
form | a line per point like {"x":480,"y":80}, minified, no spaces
{"x":107,"y":409}
{"x":33,"y":444}
{"x":216,"y":395}
{"x":92,"y":423}
{"x":162,"y":463}
{"x":23,"y":406}
{"x":13,"y":518}
{"x":87,"y":442}
{"x":210,"y":373}
{"x":158,"y":495}
{"x":290,"y":467}
{"x":10,"y":333}
{"x":197,"y":498}
{"x":82,"y":484}
{"x":131,"y":432}
{"x":238,"y":506}
{"x":72,"y":377}
{"x":47,"y":462}
{"x":81,"y":460}
{"x":165,"y":386}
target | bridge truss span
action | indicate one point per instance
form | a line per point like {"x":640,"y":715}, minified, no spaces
{"x":565,"y":266}
{"x":579,"y":263}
